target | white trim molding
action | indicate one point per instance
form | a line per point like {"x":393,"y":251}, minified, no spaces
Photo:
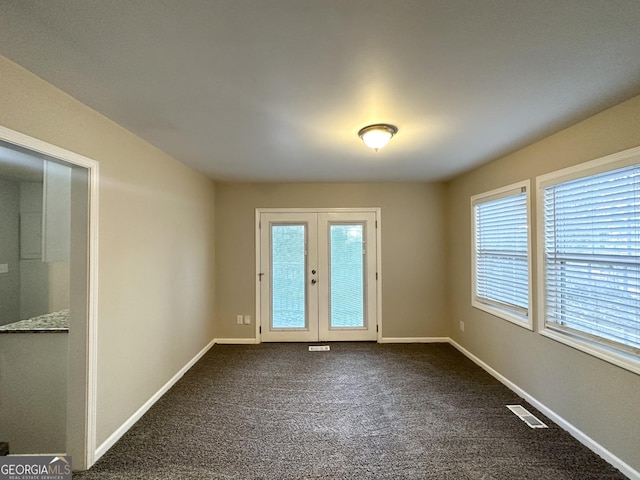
{"x":236,"y":341}
{"x":413,"y":340}
{"x":579,"y":435}
{"x":115,"y":436}
{"x":255,"y":341}
{"x":84,"y":458}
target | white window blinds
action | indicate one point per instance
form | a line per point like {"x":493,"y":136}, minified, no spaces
{"x":592,"y":257}
{"x":501,"y":252}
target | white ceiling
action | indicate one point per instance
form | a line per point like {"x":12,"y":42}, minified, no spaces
{"x":276,"y":90}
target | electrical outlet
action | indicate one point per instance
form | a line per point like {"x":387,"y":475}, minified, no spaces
{"x":462,"y":326}
{"x":247,"y":319}
{"x":239,"y":319}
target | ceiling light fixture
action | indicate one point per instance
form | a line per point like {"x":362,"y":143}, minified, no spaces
{"x":377,"y":135}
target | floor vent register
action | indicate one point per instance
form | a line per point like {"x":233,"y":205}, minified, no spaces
{"x":319,"y":348}
{"x":526,"y":416}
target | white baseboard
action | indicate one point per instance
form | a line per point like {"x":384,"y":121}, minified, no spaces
{"x":236,"y":341}
{"x":253,"y":341}
{"x":414,"y":340}
{"x":573,"y":431}
{"x":115,"y":436}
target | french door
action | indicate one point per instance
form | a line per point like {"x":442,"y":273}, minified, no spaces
{"x":317,"y":276}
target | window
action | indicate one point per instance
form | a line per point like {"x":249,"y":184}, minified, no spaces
{"x":590,"y":257}
{"x":501,"y":254}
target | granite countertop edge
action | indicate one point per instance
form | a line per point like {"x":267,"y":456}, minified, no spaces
{"x":55,"y":322}
{"x":33,"y":330}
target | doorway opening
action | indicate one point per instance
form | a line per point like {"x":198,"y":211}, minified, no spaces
{"x":52,"y":274}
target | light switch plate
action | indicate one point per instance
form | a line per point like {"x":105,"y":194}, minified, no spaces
{"x":247,"y":319}
{"x":239,"y":319}
{"x":4,"y":268}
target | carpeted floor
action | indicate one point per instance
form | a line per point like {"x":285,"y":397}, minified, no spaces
{"x":360,"y":411}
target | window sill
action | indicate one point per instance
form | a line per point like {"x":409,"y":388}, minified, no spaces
{"x":611,"y":355}
{"x":505,"y":314}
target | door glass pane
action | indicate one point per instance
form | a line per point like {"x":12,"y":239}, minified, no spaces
{"x":288,"y":280}
{"x":347,"y":276}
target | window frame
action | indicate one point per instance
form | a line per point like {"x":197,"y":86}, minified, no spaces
{"x":589,"y":344}
{"x":511,"y":315}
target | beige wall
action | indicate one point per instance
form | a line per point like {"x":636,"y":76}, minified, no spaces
{"x":156,"y":237}
{"x":413,"y":246}
{"x":598,"y":398}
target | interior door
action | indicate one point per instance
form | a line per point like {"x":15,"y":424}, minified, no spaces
{"x":317,"y":276}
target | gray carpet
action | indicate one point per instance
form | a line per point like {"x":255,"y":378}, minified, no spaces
{"x":360,"y":411}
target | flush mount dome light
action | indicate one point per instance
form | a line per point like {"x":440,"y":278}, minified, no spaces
{"x":378,"y":135}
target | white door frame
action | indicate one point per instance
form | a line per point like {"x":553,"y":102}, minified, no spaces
{"x":81,"y":437}
{"x":378,"y":228}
